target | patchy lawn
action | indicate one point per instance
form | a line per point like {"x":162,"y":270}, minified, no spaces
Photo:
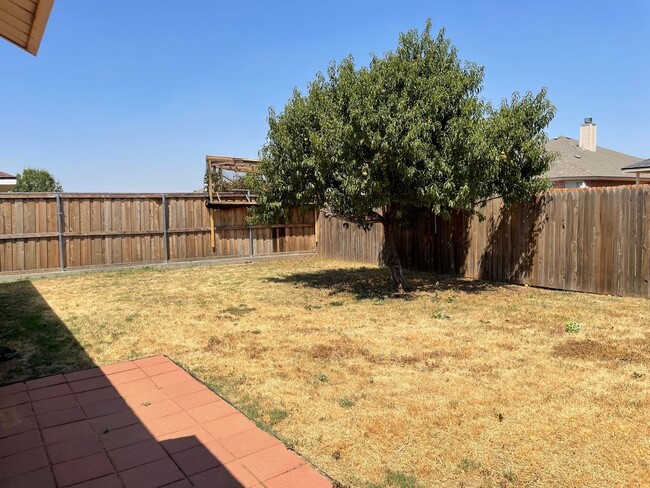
{"x":460,"y":384}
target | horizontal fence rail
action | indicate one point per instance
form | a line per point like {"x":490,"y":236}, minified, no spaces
{"x":47,"y":231}
{"x":593,"y":240}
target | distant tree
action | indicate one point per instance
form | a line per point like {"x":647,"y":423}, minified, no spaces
{"x":36,"y":180}
{"x":374,"y":145}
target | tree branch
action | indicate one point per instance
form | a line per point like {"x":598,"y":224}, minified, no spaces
{"x":371,"y":218}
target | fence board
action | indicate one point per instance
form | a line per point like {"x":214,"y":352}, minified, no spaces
{"x":645,"y":276}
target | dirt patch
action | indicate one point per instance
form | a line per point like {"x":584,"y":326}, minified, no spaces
{"x":344,"y":350}
{"x":338,"y":349}
{"x":226,"y":342}
{"x":589,"y":350}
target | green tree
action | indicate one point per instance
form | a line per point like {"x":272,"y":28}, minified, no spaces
{"x":377,"y":144}
{"x":36,"y":180}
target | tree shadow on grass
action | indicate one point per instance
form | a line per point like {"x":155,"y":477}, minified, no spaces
{"x":374,"y":283}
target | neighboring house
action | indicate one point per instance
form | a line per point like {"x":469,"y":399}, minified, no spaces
{"x":639,"y":169}
{"x":581,"y":163}
{"x":7,"y":182}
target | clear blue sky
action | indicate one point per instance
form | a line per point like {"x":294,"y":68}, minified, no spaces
{"x":131,"y":95}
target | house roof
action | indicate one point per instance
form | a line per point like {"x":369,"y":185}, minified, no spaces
{"x":23,"y":22}
{"x":6,"y":176}
{"x":641,"y":165}
{"x":574,"y":162}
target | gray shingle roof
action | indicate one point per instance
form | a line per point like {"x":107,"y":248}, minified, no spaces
{"x":574,"y":162}
{"x":645,"y":164}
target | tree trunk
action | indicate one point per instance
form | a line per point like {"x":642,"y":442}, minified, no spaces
{"x":391,"y":257}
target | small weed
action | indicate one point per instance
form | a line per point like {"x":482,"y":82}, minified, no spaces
{"x":510,"y":475}
{"x":347,"y":402}
{"x":336,"y":304}
{"x":451,"y":299}
{"x":636,"y":375}
{"x":251,"y":408}
{"x":277,"y":415}
{"x":500,"y":416}
{"x":312,"y":307}
{"x":468,"y":465}
{"x":238,"y":310}
{"x":256,"y":331}
{"x":323,"y":378}
{"x":572,"y":326}
{"x":400,"y":479}
{"x":336,"y":455}
{"x":441,"y":316}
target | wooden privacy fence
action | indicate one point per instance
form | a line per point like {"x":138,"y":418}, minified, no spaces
{"x":45,"y":231}
{"x":593,"y":240}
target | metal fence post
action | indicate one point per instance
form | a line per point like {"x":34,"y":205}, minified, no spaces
{"x":59,"y":228}
{"x":165,"y":230}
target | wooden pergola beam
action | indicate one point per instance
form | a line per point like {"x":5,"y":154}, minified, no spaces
{"x":240,"y":165}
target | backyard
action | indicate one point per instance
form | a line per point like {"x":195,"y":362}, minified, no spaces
{"x":460,"y":383}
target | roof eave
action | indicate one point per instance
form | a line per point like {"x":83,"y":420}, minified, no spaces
{"x":32,"y":42}
{"x":593,"y":178}
{"x":637,"y":170}
{"x":41,"y":17}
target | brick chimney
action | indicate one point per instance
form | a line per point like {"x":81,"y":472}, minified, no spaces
{"x":588,"y":135}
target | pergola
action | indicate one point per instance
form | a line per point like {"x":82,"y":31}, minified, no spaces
{"x":232,"y":198}
{"x":219,"y":164}
{"x":642,"y":167}
{"x":23,"y":22}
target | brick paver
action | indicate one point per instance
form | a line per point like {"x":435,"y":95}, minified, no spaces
{"x":143,"y":424}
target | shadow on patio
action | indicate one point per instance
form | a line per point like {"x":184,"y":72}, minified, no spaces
{"x":145,"y":423}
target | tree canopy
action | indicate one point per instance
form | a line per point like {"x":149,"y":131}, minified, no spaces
{"x":36,"y":180}
{"x":410,"y":131}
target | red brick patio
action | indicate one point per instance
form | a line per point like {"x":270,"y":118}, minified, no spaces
{"x":139,"y":424}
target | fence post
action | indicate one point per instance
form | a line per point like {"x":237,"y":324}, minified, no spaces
{"x":59,"y":228}
{"x":165,"y":230}
{"x":250,"y":240}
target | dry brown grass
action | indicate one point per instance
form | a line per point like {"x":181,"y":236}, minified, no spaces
{"x":461,"y":384}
